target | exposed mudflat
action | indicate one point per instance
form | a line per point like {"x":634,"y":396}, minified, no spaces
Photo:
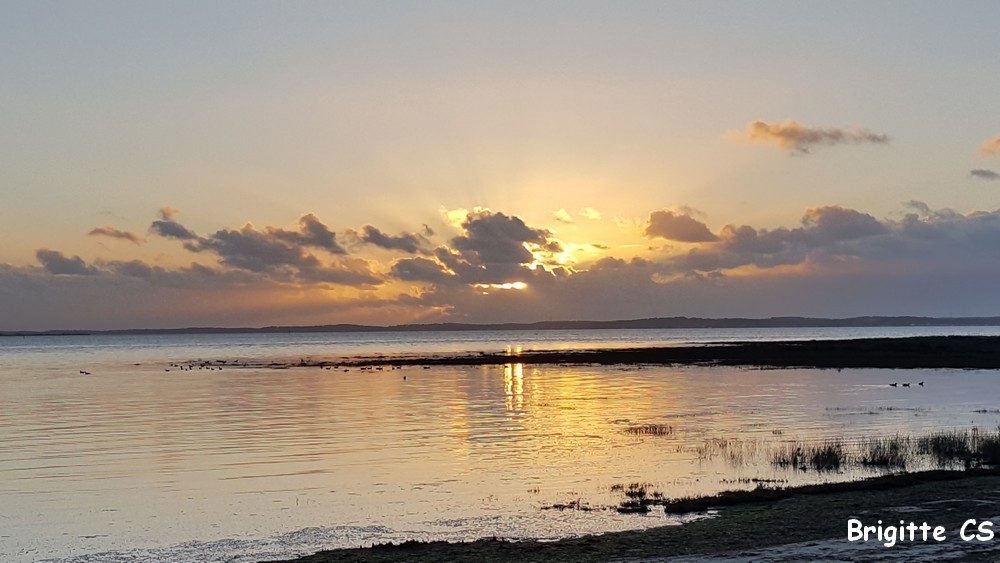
{"x":809,"y":524}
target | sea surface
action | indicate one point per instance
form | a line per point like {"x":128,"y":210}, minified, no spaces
{"x":109,"y":452}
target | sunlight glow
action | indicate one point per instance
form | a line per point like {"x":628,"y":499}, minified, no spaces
{"x":508,"y":285}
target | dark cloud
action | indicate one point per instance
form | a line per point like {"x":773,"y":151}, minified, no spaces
{"x":421,"y":270}
{"x":112,"y":232}
{"x":168,"y":228}
{"x":355,"y":273}
{"x":494,"y":248}
{"x":280,"y":254}
{"x":133,"y":269}
{"x":834,"y":223}
{"x":57,"y":263}
{"x":495,"y":238}
{"x":312,"y":232}
{"x":172,"y":229}
{"x":405,"y":242}
{"x":137,"y":295}
{"x":253,"y":250}
{"x":985,"y":174}
{"x":800,"y":139}
{"x":677,"y":227}
{"x":826,"y":231}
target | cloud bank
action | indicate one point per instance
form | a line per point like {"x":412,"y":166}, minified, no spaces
{"x":496,"y":267}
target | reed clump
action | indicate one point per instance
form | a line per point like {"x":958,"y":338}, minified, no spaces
{"x":886,"y":452}
{"x":947,"y":449}
{"x":828,"y":456}
{"x":650,"y":430}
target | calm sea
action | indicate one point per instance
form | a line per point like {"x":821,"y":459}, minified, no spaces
{"x":135,"y":460}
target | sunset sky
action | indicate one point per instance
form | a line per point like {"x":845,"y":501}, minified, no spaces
{"x":181,"y":164}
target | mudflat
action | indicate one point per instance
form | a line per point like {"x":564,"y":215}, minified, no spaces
{"x":962,"y":352}
{"x":956,"y":352}
{"x":809,"y":514}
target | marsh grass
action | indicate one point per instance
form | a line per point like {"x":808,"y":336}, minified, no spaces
{"x":887,"y":452}
{"x":650,"y":430}
{"x":828,"y":456}
{"x":972,"y":448}
{"x":736,"y":451}
{"x":638,"y":497}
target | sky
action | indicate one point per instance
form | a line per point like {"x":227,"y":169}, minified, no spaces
{"x":247,"y":163}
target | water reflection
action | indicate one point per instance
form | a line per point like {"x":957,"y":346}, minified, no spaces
{"x":513,"y":377}
{"x":255,"y":453}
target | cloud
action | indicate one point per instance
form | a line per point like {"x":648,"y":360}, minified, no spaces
{"x":112,"y":232}
{"x":312,"y":232}
{"x":493,"y":248}
{"x":137,"y":295}
{"x":134,"y":269}
{"x":990,"y":147}
{"x":279,"y":254}
{"x":167,"y":213}
{"x":495,"y":238}
{"x":984,"y":174}
{"x":405,"y":242}
{"x":563,"y":217}
{"x":166,"y":227}
{"x":421,"y":270}
{"x":677,"y":227}
{"x":834,"y":261}
{"x":590,"y":213}
{"x":57,"y":263}
{"x":835,"y":223}
{"x":797,"y":138}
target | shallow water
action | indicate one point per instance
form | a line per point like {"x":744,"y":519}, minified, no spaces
{"x":134,"y":462}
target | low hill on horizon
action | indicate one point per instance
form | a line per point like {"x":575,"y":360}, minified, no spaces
{"x":649,"y":323}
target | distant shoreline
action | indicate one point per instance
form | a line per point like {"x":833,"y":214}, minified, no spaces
{"x":649,"y":323}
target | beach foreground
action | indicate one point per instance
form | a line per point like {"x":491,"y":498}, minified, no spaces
{"x":808,"y":524}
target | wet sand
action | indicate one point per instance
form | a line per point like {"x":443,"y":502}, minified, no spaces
{"x":805,"y":525}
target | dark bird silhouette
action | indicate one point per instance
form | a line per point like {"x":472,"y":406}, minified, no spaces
{"x":921,"y":384}
{"x":893,"y":384}
{"x":906,"y":385}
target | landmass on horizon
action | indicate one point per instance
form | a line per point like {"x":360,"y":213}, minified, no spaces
{"x":649,"y":323}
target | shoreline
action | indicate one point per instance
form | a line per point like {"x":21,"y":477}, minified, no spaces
{"x":813,"y":513}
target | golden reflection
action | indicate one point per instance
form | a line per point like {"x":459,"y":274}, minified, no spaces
{"x":513,"y":382}
{"x":509,"y":350}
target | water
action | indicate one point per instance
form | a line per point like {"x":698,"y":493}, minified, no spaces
{"x":134,"y":463}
